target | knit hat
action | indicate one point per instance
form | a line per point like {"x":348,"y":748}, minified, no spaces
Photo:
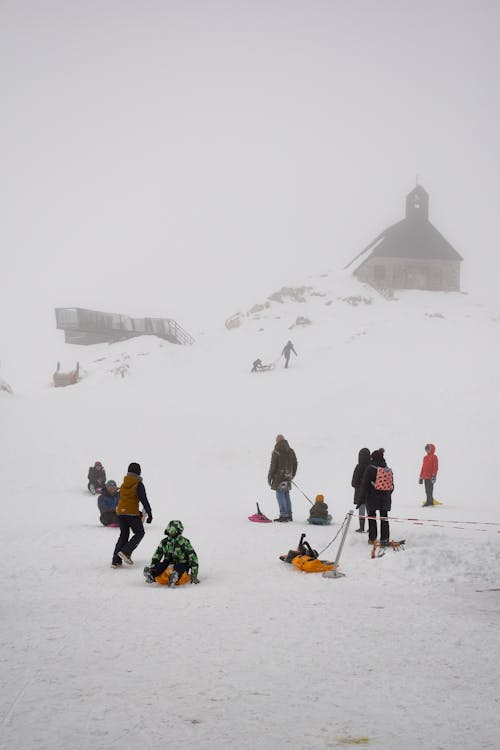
{"x":134,"y":469}
{"x":320,"y":498}
{"x":279,"y":437}
{"x":378,"y":454}
{"x":111,"y":483}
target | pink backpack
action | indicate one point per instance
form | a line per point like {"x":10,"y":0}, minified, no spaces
{"x":384,"y":480}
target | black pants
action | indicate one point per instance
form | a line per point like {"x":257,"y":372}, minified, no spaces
{"x":428,"y":491}
{"x":124,"y":544}
{"x":372,"y":524}
{"x":157,"y":570}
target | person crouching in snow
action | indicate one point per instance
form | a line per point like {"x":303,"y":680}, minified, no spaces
{"x":173,"y":558}
{"x":319,"y":512}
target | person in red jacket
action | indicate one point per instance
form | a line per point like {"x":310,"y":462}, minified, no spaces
{"x":428,"y":472}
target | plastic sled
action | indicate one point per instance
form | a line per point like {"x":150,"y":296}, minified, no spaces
{"x":319,"y":521}
{"x":259,"y":517}
{"x":435,"y":502}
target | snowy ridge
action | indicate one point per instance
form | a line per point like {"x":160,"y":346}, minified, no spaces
{"x":397,"y":653}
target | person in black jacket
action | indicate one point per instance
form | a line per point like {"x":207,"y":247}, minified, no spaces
{"x":281,"y":472}
{"x":376,"y":500}
{"x":287,"y":350}
{"x":363,"y":461}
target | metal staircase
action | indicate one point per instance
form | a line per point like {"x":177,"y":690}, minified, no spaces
{"x":83,"y":326}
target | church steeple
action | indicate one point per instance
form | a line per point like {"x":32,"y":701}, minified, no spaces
{"x":417,"y":204}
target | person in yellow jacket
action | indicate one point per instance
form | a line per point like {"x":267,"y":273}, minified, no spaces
{"x":132,"y":492}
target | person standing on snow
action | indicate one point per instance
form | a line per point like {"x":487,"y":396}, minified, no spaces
{"x":363,"y":461}
{"x":428,"y":472}
{"x":132,"y":492}
{"x":287,"y":350}
{"x":376,"y":499}
{"x":281,"y":472}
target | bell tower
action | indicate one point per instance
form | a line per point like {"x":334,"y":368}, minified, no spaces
{"x":417,"y":204}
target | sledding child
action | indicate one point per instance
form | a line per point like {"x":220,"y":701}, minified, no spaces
{"x":96,"y":477}
{"x":174,"y":562}
{"x":318,"y":514}
{"x":107,"y":502}
{"x":357,"y":476}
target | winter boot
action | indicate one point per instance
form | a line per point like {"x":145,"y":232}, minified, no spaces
{"x":148,"y":575}
{"x":125,"y":558}
{"x":174,"y":577}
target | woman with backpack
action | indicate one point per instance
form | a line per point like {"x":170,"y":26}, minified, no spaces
{"x":377,"y":486}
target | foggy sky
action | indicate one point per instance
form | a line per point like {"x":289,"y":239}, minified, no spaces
{"x":185,"y":159}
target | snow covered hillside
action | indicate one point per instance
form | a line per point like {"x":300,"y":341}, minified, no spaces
{"x":400,"y":653}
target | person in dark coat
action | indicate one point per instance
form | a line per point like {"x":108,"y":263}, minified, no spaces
{"x":319,"y":512}
{"x":96,"y":477}
{"x":107,"y":502}
{"x":287,"y":350}
{"x":257,"y":365}
{"x":376,"y":500}
{"x":363,"y":461}
{"x":132,"y":492}
{"x":281,"y":472}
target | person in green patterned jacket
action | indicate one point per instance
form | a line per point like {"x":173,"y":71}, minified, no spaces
{"x":176,"y":551}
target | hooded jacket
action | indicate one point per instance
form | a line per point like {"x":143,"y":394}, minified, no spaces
{"x":176,"y":549}
{"x":283,"y":464}
{"x":132,"y":492}
{"x":363,"y":461}
{"x":430,"y":464}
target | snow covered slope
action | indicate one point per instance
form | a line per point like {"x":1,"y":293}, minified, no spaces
{"x":399,"y":653}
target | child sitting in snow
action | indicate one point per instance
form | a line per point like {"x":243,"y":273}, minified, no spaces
{"x":107,"y":502}
{"x":173,"y":559}
{"x":319,"y":512}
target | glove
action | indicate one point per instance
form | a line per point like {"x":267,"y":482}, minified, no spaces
{"x":149,"y":518}
{"x":420,"y":481}
{"x":433,"y":480}
{"x":194,"y":579}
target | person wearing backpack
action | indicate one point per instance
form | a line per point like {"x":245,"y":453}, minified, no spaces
{"x":428,"y":472}
{"x":357,"y":476}
{"x":281,"y":472}
{"x":376,"y":490}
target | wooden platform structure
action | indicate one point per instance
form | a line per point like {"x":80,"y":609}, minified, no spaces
{"x":83,"y":326}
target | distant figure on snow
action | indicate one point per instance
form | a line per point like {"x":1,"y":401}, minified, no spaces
{"x":107,"y":502}
{"x":428,"y":472}
{"x":257,"y":365}
{"x":376,"y":493}
{"x":319,"y":512}
{"x":96,"y":477}
{"x":359,"y":470}
{"x":287,"y":350}
{"x":174,"y":562}
{"x":281,"y":472}
{"x":132,"y":492}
